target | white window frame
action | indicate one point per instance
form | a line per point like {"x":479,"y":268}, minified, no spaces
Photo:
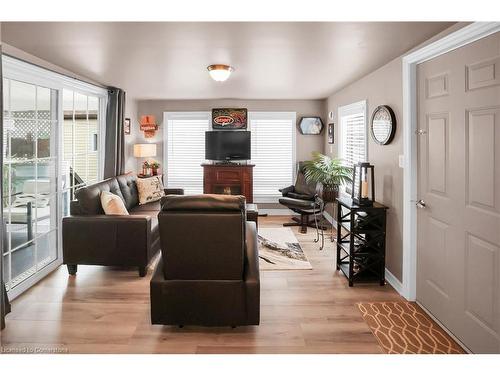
{"x":257,"y":115}
{"x":22,"y":71}
{"x":167,"y":116}
{"x":346,"y":110}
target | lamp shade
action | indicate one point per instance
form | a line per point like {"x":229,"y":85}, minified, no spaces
{"x":144,"y":150}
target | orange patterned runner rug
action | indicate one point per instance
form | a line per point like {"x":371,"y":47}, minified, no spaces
{"x":404,"y":328}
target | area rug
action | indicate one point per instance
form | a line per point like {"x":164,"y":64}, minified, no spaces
{"x":279,"y":249}
{"x":404,"y":328}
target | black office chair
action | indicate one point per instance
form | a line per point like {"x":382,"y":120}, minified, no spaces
{"x":304,"y":199}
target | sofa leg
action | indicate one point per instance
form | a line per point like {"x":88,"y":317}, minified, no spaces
{"x":72,"y":268}
{"x":142,"y":271}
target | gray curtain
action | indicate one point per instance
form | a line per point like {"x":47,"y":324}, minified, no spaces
{"x":114,"y":153}
{"x":4,"y":301}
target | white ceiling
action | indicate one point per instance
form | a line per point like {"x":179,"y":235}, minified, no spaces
{"x":168,"y":60}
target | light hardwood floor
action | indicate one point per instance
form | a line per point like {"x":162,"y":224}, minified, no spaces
{"x":106,"y":310}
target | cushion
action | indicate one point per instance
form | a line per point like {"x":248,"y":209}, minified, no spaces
{"x":150,"y":189}
{"x":128,"y":187}
{"x":112,"y":204}
{"x":303,"y":187}
{"x":147,"y":207}
{"x":89,"y":197}
{"x":203,"y":202}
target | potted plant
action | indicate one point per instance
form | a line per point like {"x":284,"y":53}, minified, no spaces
{"x":146,"y":168}
{"x":154,"y":165}
{"x":329,"y":172}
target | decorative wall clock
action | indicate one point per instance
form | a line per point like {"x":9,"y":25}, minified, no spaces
{"x":383,"y":125}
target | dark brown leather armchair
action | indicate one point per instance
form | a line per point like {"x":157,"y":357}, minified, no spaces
{"x":209,"y":270}
{"x":303,"y":199}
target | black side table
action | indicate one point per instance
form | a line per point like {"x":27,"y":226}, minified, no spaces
{"x":253,"y":213}
{"x":361,"y":241}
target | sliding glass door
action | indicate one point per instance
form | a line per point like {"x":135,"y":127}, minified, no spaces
{"x":51,"y":146}
{"x":29,"y":180}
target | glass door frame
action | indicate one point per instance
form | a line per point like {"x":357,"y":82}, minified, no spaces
{"x":18,"y":70}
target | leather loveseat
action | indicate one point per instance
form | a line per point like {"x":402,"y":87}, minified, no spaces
{"x":209,"y":271}
{"x":92,"y":238}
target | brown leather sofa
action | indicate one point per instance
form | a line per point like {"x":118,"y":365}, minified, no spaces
{"x":92,"y":238}
{"x":209,"y":271}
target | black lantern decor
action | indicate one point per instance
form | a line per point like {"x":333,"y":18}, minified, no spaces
{"x":361,"y":180}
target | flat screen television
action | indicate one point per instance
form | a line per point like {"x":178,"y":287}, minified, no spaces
{"x":227,"y":145}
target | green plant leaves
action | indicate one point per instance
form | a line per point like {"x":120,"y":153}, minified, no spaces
{"x":330,"y":172}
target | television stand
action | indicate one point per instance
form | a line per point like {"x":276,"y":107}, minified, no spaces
{"x":228,"y":178}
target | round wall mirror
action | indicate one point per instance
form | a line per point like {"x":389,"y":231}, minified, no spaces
{"x":383,"y":125}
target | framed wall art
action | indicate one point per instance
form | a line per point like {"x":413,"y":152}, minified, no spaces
{"x":311,"y":125}
{"x":126,"y":126}
{"x":331,"y":133}
{"x":229,"y":118}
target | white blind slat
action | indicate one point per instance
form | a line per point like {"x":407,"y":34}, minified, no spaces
{"x":272,"y":151}
{"x":186,"y":150}
{"x":272,"y":142}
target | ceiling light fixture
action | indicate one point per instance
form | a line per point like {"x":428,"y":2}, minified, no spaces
{"x":219,"y":72}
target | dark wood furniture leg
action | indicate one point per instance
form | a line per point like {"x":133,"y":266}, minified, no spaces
{"x":72,"y":269}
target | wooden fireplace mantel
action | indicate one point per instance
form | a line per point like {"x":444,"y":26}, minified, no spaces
{"x":232,"y":179}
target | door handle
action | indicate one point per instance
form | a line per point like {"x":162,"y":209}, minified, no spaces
{"x":420,"y":203}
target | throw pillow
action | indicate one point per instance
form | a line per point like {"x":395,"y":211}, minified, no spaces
{"x":150,"y":189}
{"x":112,"y":204}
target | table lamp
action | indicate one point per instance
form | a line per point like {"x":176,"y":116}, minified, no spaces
{"x":145,"y":150}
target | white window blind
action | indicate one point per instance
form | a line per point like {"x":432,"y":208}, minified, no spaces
{"x":352,"y":120}
{"x":273,"y":153}
{"x":185,"y":140}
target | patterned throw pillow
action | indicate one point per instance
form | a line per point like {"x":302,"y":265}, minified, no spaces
{"x":112,"y":204}
{"x":150,"y":189}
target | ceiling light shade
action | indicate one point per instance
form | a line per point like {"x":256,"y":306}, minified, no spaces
{"x":220,"y":72}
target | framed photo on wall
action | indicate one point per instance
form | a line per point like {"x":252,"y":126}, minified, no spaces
{"x":126,"y":126}
{"x":331,"y":133}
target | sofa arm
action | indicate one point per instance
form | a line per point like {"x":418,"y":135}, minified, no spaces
{"x":174,"y":191}
{"x":252,"y":275}
{"x":288,"y":189}
{"x":251,"y":254}
{"x":118,"y":240}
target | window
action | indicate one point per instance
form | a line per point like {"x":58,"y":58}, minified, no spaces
{"x":80,"y":139}
{"x":353,"y":138}
{"x":185,"y":141}
{"x":273,"y":153}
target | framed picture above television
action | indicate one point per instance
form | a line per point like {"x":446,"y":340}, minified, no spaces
{"x":311,"y":125}
{"x":229,"y":118}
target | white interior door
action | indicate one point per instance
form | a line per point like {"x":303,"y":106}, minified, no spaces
{"x":458,"y":255}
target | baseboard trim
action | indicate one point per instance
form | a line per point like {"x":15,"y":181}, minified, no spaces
{"x":394,"y":282}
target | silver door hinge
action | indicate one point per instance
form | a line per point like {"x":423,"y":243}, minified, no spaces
{"x":420,"y":132}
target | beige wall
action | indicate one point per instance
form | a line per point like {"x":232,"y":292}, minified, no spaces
{"x":305,"y":143}
{"x":383,"y":86}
